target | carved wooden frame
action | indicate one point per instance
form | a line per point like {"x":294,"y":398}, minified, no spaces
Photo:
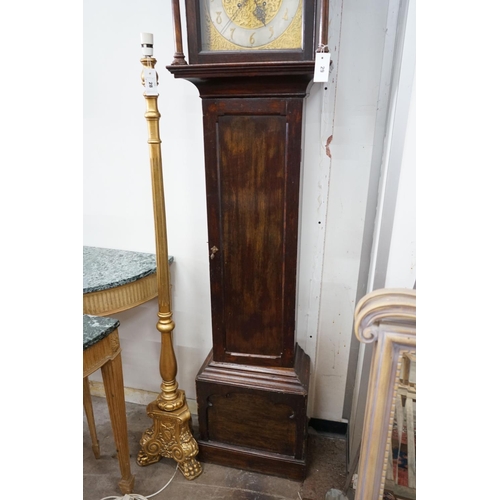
{"x":387,"y":318}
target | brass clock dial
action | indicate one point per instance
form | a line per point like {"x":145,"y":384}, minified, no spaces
{"x":229,"y":25}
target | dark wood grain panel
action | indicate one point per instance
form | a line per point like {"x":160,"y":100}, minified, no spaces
{"x":254,"y":417}
{"x":230,"y":396}
{"x":252,"y":152}
{"x":252,"y":158}
{"x":252,"y":421}
{"x":252,"y":460}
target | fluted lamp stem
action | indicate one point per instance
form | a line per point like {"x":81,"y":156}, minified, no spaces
{"x":170,"y":436}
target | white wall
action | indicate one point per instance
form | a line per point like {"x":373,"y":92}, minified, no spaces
{"x":362,"y":45}
{"x":402,"y":265}
{"x":117,"y":210}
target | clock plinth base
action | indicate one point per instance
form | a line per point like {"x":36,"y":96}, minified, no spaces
{"x":252,"y":460}
{"x":254,"y":418}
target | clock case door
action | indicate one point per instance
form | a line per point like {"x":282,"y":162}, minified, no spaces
{"x":252,"y":157}
{"x":199,"y":56}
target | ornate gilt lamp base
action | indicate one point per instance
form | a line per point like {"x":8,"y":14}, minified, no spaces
{"x":170,"y":436}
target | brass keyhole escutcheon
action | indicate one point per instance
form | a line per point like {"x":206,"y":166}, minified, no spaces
{"x":213,"y":251}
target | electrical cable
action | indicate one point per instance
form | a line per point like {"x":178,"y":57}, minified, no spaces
{"x":136,"y":496}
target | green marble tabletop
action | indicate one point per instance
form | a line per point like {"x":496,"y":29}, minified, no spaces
{"x":105,"y":268}
{"x":95,"y":328}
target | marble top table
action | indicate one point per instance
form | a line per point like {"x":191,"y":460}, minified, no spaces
{"x":96,"y":328}
{"x":117,"y":280}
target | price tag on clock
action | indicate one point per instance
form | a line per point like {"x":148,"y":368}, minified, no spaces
{"x":150,"y":82}
{"x":322,"y":67}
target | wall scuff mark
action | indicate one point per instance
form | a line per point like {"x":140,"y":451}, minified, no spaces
{"x":327,"y":146}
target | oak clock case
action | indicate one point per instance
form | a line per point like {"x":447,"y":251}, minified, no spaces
{"x":252,"y":389}
{"x":250,"y":30}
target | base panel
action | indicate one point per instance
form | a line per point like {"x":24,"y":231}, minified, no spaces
{"x":254,"y":418}
{"x":252,"y":460}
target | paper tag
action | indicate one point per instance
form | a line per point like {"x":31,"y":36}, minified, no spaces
{"x":322,"y":67}
{"x":150,"y":82}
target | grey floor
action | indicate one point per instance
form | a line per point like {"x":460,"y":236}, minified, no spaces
{"x":326,"y":468}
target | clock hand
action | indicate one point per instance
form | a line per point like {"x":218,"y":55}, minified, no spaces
{"x":240,"y":6}
{"x":260,"y":12}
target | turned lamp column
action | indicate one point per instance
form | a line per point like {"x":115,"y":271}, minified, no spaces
{"x":170,"y":398}
{"x":171,"y":434}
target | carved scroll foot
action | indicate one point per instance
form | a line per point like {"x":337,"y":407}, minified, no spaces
{"x":170,"y":436}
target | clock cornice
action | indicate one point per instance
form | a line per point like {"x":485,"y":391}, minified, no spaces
{"x":246,"y":69}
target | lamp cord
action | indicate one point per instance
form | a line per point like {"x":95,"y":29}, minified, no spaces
{"x":136,"y":496}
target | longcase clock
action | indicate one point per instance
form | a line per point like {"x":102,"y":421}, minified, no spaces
{"x":252,"y":62}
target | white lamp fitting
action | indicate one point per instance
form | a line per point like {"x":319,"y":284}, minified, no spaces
{"x":147,"y":44}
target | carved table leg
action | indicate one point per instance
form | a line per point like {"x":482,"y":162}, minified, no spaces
{"x":112,"y":378}
{"x":87,"y":404}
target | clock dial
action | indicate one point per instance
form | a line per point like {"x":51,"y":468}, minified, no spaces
{"x":230,"y":25}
